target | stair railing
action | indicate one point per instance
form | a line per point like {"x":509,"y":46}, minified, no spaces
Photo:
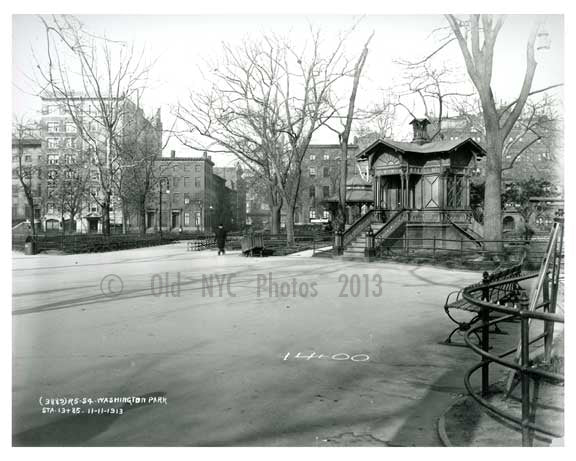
{"x":359,"y":226}
{"x":391,"y":225}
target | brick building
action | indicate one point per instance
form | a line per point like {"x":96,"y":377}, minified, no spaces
{"x":194,"y":198}
{"x":236,"y":194}
{"x":321,"y":180}
{"x":319,"y":183}
{"x":542,"y":159}
{"x":28,"y":151}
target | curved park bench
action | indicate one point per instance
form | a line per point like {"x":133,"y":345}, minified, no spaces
{"x":503,"y":294}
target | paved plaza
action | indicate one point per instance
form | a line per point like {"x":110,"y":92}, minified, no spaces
{"x":231,"y":351}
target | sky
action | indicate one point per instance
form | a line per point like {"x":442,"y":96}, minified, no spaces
{"x":182,"y":44}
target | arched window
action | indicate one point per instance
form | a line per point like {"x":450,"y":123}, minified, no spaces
{"x":508,"y":223}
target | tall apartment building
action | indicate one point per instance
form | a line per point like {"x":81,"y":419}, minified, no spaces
{"x":64,"y":154}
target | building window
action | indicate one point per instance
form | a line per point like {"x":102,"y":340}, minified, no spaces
{"x":326,"y":157}
{"x":312,"y":191}
{"x":176,"y":197}
{"x":325,"y":191}
{"x":197,"y":182}
{"x":52,"y":143}
{"x":53,"y":159}
{"x":176,"y":180}
{"x":312,"y":156}
{"x":312,"y":171}
{"x":197,"y":217}
{"x":28,"y":158}
{"x":53,"y":127}
{"x":326,"y":214}
{"x":186,"y":181}
{"x":68,"y":143}
{"x":326,"y":172}
{"x":70,"y":128}
{"x":198,"y":168}
{"x":186,"y":219}
{"x":186,"y":200}
{"x":312,"y":214}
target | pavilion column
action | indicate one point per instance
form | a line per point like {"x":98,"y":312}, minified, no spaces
{"x":402,"y":186}
{"x":377,"y":191}
{"x":408,"y":203}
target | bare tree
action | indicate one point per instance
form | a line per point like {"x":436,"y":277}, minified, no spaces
{"x":379,"y":122}
{"x":435,"y":87}
{"x":535,"y":130}
{"x":344,"y":135}
{"x":477,"y":39}
{"x":27,"y":173}
{"x":141,"y":147}
{"x":93,"y":78}
{"x":267,"y":99}
{"x":68,"y":187}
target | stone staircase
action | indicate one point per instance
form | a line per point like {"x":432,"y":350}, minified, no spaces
{"x":356,"y":248}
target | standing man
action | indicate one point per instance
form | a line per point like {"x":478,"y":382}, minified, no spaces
{"x":221,"y":239}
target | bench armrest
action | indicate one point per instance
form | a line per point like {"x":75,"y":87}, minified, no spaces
{"x":457,"y":293}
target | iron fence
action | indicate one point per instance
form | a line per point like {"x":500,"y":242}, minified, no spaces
{"x":544,"y":297}
{"x":461,"y":250}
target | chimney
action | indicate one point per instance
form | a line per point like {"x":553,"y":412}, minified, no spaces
{"x":172,"y":154}
{"x":420,"y":127}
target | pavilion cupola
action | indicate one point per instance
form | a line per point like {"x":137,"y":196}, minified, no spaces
{"x":420,"y":127}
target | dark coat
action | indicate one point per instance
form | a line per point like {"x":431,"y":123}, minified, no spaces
{"x":220,"y":237}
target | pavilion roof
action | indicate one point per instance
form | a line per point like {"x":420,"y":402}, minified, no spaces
{"x":426,"y":148}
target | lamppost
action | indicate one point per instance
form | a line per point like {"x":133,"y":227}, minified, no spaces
{"x":160,"y":200}
{"x":198,"y":216}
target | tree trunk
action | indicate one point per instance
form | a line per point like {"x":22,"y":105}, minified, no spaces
{"x":290,"y":209}
{"x":275,"y":213}
{"x":32,"y":219}
{"x":106,"y":217}
{"x":493,"y":190}
{"x":124,"y":218}
{"x":72,"y":223}
{"x":341,"y":211}
{"x":142,"y":213}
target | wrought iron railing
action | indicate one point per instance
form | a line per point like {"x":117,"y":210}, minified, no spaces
{"x":543,"y":297}
{"x":395,"y":221}
{"x":360,"y":225}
